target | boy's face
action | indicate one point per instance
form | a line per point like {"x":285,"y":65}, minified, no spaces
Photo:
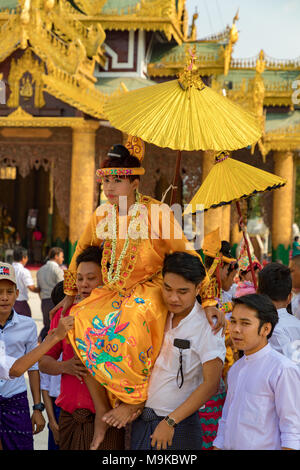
{"x":295,"y":273}
{"x":244,"y":329}
{"x":8,"y":296}
{"x":89,"y":277}
{"x":179,"y":294}
{"x":226,"y":279}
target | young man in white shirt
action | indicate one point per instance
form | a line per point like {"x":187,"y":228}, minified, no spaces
{"x":275,"y":281}
{"x":188,"y":369}
{"x":262,"y":406}
{"x":24,"y":281}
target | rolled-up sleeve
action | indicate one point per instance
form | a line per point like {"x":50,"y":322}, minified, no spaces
{"x":287,"y":402}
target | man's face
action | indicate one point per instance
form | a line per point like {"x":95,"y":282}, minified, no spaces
{"x":89,"y":277}
{"x":295,"y":273}
{"x":227,"y":279}
{"x":179,"y":295}
{"x":244,"y":329}
{"x":8,"y":296}
{"x":60,"y":258}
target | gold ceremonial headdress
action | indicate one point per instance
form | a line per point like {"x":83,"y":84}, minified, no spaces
{"x":212,"y":246}
{"x":136,"y":148}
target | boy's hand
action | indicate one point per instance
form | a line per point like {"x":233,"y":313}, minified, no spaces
{"x":65,"y":324}
{"x":55,"y":431}
{"x":38,"y":421}
{"x":162,"y":436}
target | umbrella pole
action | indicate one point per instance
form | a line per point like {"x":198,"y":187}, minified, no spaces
{"x":176,"y":178}
{"x":247,"y":244}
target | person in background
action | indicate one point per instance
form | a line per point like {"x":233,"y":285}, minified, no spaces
{"x":47,"y":278}
{"x":24,"y":281}
{"x":222,"y":266}
{"x":50,"y":385}
{"x":77,"y":414}
{"x":294,"y":266}
{"x":245,"y":283}
{"x":296,"y":247}
{"x":262,"y":406}
{"x":19,"y":336}
{"x":275,"y":281}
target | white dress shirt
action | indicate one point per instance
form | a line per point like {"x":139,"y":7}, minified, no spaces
{"x":286,"y":335}
{"x":296,"y":305}
{"x":51,"y":383}
{"x":262,"y":406}
{"x":24,"y":279}
{"x":19,"y":336}
{"x":47,"y":278}
{"x":164,"y":395}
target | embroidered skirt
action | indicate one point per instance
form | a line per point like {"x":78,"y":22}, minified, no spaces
{"x":15,"y":423}
{"x":118,"y":338}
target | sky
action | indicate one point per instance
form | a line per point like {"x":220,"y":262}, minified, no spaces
{"x":271,"y":25}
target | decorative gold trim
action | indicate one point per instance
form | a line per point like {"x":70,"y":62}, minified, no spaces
{"x":20,"y":118}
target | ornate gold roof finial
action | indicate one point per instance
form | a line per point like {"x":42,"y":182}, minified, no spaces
{"x":190,"y":76}
{"x":260,"y":63}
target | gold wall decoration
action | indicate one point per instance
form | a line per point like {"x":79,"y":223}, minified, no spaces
{"x":23,"y":85}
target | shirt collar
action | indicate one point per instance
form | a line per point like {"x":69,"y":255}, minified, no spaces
{"x":12,"y":319}
{"x":259,"y":354}
{"x":282,"y":312}
{"x":185,"y":319}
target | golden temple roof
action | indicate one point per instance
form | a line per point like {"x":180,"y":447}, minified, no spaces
{"x":68,"y":48}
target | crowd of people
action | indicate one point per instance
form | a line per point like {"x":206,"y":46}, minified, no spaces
{"x":148,"y":344}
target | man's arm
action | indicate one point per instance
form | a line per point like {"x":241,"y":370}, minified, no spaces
{"x":50,"y":365}
{"x":212,"y":370}
{"x":34,"y":289}
{"x":24,"y":363}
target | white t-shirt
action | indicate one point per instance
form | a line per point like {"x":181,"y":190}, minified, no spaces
{"x":296,"y":305}
{"x":164,"y":395}
{"x":286,"y":335}
{"x":24,"y":279}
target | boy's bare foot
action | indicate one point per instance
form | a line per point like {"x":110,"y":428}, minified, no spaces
{"x":122,"y":414}
{"x":100,"y":429}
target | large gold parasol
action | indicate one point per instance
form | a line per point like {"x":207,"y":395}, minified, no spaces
{"x":229,"y":181}
{"x":183,"y":114}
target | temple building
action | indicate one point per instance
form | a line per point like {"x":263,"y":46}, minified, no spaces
{"x":60,"y":60}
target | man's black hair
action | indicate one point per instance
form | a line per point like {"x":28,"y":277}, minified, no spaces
{"x":19,"y":253}
{"x":185,"y":265}
{"x":265,"y":309}
{"x":57,"y":293}
{"x":275,"y":281}
{"x":91,"y":253}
